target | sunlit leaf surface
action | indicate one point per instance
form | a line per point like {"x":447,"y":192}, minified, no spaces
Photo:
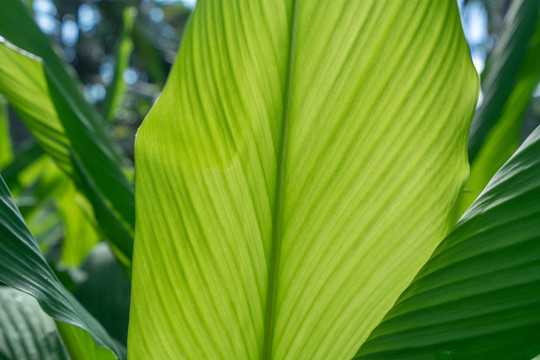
{"x":302,"y":163}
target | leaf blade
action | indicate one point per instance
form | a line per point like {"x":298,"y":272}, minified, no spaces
{"x":22,"y":266}
{"x":208,"y":175}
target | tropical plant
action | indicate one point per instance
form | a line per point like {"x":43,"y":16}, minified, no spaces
{"x":297,"y":188}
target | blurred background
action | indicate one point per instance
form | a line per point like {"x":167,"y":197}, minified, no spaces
{"x":89,"y":34}
{"x":122,"y":51}
{"x":93,"y":35}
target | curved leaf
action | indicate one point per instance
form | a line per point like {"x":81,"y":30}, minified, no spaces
{"x":23,"y":267}
{"x":26,"y":332}
{"x":301,"y":165}
{"x":478,"y":297}
{"x":520,"y":27}
{"x":25,"y":81}
{"x":503,"y":138}
{"x":45,"y":96}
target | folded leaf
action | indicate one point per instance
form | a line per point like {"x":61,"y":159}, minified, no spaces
{"x":478,"y":297}
{"x":301,"y":165}
{"x":22,"y":266}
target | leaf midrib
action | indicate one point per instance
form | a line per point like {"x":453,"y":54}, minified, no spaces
{"x":273,"y":265}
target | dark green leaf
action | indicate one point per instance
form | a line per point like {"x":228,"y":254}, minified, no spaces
{"x":478,"y":297}
{"x":26,"y":332}
{"x":23,"y":267}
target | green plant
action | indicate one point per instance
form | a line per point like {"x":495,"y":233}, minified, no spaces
{"x":297,"y":184}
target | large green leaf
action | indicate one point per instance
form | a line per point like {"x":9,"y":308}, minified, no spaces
{"x":48,"y":100}
{"x":300,"y":166}
{"x":23,"y":267}
{"x":26,"y":332}
{"x":506,"y":110}
{"x":478,"y":297}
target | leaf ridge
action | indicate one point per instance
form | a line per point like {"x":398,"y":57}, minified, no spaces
{"x":273,"y":265}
